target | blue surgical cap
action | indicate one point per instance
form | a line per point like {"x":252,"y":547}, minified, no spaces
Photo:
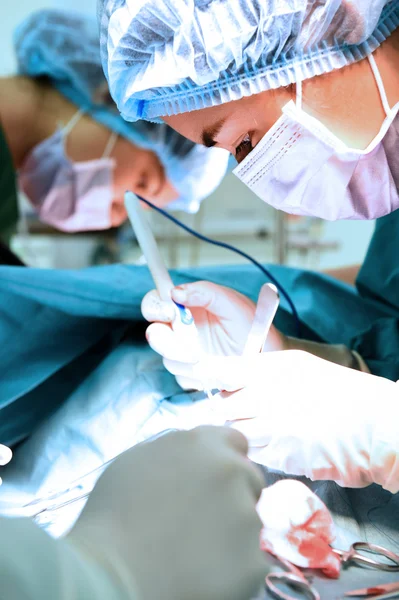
{"x":164,"y":57}
{"x":64,"y":47}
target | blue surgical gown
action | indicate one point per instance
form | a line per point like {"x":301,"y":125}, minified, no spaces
{"x":56,"y":326}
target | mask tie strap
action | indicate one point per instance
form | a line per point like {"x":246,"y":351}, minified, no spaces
{"x":380,"y":84}
{"x":71,"y":124}
{"x":110,"y":145}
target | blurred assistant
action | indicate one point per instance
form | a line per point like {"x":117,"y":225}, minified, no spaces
{"x":74,"y":154}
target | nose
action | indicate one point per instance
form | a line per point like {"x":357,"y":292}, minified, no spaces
{"x":148,"y":183}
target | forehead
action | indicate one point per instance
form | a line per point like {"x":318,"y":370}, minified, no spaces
{"x":192,"y":124}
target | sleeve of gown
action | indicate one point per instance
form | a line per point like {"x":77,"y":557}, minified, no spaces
{"x":379,"y":347}
{"x":34,"y":566}
{"x":378,"y":283}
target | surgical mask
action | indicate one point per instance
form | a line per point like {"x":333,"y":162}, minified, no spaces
{"x":302,"y":168}
{"x":71,"y":196}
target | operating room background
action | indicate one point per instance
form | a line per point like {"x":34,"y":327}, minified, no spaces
{"x":232,"y":214}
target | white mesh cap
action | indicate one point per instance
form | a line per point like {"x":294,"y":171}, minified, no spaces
{"x":164,"y":57}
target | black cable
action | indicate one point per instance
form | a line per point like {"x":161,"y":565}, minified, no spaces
{"x":257,"y":264}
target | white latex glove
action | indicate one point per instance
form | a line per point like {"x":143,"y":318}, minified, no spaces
{"x":5,"y":457}
{"x":307,"y":416}
{"x":176,"y":518}
{"x":223,"y":318}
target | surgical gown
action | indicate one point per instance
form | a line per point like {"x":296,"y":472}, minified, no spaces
{"x":57,"y":326}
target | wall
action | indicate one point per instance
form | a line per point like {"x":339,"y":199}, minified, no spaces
{"x":17,"y":11}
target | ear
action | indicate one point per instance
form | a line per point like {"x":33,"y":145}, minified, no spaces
{"x":102,"y":95}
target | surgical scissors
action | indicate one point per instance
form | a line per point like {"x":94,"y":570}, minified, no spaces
{"x":293,"y":578}
{"x":356,"y":555}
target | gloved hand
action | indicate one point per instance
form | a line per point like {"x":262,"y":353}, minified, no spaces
{"x":176,"y":519}
{"x":5,"y":457}
{"x":223,"y":318}
{"x":306,"y":416}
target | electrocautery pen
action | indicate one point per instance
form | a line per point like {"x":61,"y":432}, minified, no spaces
{"x":184,"y":322}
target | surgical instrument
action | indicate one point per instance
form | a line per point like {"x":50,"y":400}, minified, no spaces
{"x":184,"y":322}
{"x":379,"y":592}
{"x":266,"y":308}
{"x":292,"y":577}
{"x":226,"y":246}
{"x":357,"y":554}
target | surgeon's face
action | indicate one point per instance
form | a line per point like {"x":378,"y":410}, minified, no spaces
{"x":236,"y":126}
{"x":346,"y":101}
{"x":141,"y":172}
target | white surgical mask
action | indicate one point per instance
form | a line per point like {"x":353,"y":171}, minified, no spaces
{"x":71,"y":196}
{"x":302,"y":168}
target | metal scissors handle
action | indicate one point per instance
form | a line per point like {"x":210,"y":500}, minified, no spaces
{"x":292,"y":578}
{"x":355,"y":556}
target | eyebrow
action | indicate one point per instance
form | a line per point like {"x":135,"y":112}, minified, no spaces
{"x":208,"y":135}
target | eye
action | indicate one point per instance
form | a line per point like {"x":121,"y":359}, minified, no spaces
{"x":243,"y":148}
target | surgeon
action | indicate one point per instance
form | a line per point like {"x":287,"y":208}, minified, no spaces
{"x":190,"y":530}
{"x":305,"y":95}
{"x":73,"y":153}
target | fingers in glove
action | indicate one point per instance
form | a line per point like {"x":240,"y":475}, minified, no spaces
{"x":216,"y":299}
{"x":286,"y":454}
{"x":230,"y":373}
{"x":155,"y":309}
{"x":233,"y":441}
{"x":239,"y":442}
{"x":169,"y":344}
{"x":201,"y":372}
{"x":256,"y":430}
{"x":217,"y":435}
{"x":189,"y":384}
